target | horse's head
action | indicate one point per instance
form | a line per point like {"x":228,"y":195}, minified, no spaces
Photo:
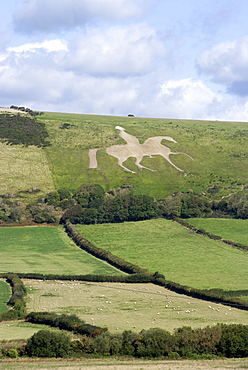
{"x":119,"y":128}
{"x":170,"y":139}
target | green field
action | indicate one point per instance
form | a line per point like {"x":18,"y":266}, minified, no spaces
{"x":13,"y":330}
{"x":178,"y":253}
{"x":5,"y":293}
{"x":229,"y":229}
{"x":219,"y":150}
{"x":46,"y":249}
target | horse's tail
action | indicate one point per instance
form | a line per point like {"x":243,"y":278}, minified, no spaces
{"x":92,"y":158}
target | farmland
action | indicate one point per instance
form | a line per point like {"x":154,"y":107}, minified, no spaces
{"x":178,"y":253}
{"x":120,"y":306}
{"x":5,"y":293}
{"x":229,"y":229}
{"x":46,"y":250}
{"x":219,"y":169}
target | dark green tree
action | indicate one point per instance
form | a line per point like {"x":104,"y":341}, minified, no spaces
{"x":46,"y":343}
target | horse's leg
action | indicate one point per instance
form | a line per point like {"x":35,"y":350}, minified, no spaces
{"x":168,"y":159}
{"x":139,"y":159}
{"x":92,"y":158}
{"x":120,"y":163}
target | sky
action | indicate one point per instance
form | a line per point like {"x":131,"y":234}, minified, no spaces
{"x":185,"y":59}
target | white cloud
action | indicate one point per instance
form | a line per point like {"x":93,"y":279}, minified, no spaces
{"x":118,"y":50}
{"x":56,"y":15}
{"x":49,"y":45}
{"x":226,"y":62}
{"x":188,"y":98}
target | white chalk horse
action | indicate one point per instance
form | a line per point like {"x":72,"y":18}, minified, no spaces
{"x":133,"y":148}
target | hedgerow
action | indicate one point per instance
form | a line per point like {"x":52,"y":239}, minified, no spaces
{"x":65,"y":322}
{"x":16,"y":300}
{"x":210,"y":342}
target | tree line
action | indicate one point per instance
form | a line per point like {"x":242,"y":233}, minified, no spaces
{"x":221,"y":340}
{"x":90,"y":204}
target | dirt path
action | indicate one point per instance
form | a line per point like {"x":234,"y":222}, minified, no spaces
{"x":110,"y":364}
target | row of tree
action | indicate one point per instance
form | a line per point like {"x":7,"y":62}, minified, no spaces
{"x":90,"y":204}
{"x":27,"y":110}
{"x":220,"y":340}
{"x":17,"y":299}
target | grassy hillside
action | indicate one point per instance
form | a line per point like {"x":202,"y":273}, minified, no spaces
{"x":46,"y":250}
{"x":219,"y":150}
{"x":178,"y":253}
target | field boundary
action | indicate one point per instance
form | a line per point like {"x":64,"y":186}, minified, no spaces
{"x":210,"y":235}
{"x":212,"y":295}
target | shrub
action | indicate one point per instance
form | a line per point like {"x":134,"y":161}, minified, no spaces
{"x":45,"y":343}
{"x":12,"y":353}
{"x":234,"y":340}
{"x":154,"y":342}
{"x":107,"y":344}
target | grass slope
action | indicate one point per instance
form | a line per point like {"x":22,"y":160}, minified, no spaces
{"x":46,"y":250}
{"x":178,"y":253}
{"x":229,"y":229}
{"x":5,"y":293}
{"x":219,"y":150}
{"x":22,"y":168}
{"x":12,"y":330}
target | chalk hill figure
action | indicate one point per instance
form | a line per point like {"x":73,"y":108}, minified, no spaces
{"x":133,"y":148}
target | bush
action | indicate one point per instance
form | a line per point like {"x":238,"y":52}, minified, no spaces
{"x":154,"y":342}
{"x":12,"y":353}
{"x":45,"y":343}
{"x":107,"y":344}
{"x":234,"y":340}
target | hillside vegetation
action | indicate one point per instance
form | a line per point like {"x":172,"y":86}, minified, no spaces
{"x":50,"y":153}
{"x":218,"y":148}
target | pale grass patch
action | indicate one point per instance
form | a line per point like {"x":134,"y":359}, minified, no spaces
{"x":120,"y":306}
{"x":22,"y":168}
{"x":122,"y":364}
